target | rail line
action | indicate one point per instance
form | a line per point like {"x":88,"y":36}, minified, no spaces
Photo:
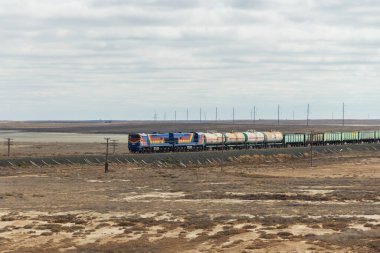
{"x":179,"y":158}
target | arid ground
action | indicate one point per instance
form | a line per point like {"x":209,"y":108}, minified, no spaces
{"x":254,"y":204}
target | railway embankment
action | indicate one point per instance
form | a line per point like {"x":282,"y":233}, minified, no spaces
{"x":185,"y":159}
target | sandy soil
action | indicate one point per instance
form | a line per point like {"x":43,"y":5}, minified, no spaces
{"x":254,"y":205}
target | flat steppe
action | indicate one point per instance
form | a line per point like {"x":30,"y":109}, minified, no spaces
{"x":125,"y":127}
{"x":254,"y":204}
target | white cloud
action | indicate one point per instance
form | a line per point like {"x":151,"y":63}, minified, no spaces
{"x":87,"y":58}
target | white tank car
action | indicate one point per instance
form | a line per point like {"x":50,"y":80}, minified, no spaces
{"x":235,"y":137}
{"x":273,"y":137}
{"x":254,"y":137}
{"x":214,"y":138}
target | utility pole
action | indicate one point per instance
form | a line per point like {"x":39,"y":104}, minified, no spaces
{"x":216,"y":114}
{"x":175,"y":116}
{"x":233,"y":115}
{"x":343,"y":113}
{"x":222,"y":161}
{"x":254,"y":115}
{"x":9,"y":143}
{"x":205,"y":115}
{"x":200,"y":115}
{"x":278,"y":114}
{"x":311,"y":148}
{"x":293,"y":115}
{"x":106,"y":162}
{"x":155,"y":116}
{"x":114,"y":143}
{"x":308,"y":115}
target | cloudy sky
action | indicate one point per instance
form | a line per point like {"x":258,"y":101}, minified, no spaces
{"x":125,"y":59}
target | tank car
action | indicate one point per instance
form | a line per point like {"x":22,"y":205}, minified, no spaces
{"x":273,"y":138}
{"x":235,"y":139}
{"x":214,"y":140}
{"x":254,"y":139}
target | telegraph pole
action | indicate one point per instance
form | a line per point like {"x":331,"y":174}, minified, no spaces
{"x":278,"y":114}
{"x":106,"y":162}
{"x":311,"y":148}
{"x":200,"y":115}
{"x":308,"y":115}
{"x":343,"y":114}
{"x":9,"y":143}
{"x":233,"y":115}
{"x":254,"y":115}
{"x":114,"y":143}
{"x":216,"y":114}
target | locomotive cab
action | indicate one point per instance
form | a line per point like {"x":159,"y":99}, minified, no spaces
{"x":134,"y":142}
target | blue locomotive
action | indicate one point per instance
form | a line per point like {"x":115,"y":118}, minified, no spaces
{"x":165,"y":142}
{"x":156,"y":142}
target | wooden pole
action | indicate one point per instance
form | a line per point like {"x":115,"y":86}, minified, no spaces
{"x":106,"y":163}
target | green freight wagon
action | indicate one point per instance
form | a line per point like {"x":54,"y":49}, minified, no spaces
{"x":367,"y":136}
{"x":332,"y":137}
{"x":377,"y":135}
{"x":350,"y":137}
{"x":318,"y":138}
{"x":294,"y":139}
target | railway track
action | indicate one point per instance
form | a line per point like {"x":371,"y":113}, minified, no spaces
{"x":179,"y":158}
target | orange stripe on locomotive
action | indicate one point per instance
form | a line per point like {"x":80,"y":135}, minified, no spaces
{"x":155,"y":139}
{"x":186,"y":139}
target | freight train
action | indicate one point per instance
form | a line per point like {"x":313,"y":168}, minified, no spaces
{"x":197,"y":141}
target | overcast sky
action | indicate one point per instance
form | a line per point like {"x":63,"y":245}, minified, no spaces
{"x":125,"y":59}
